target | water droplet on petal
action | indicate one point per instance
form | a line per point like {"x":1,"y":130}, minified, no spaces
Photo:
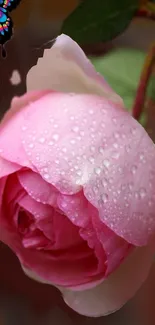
{"x":105,"y":197}
{"x":130,"y":186}
{"x":31,"y":145}
{"x":115,"y":145}
{"x":150,"y":203}
{"x":92,"y":148}
{"x":142,"y":193}
{"x":91,"y":111}
{"x":116,"y":135}
{"x":101,"y":150}
{"x":103,"y":125}
{"x":98,"y":171}
{"x":91,"y":159}
{"x":128,"y":148}
{"x":46,"y":176}
{"x":56,"y":136}
{"x":136,"y":195}
{"x":134,"y":169}
{"x":104,"y":182}
{"x":50,"y":143}
{"x":106,"y":163}
{"x":115,"y":154}
{"x":114,"y":120}
{"x":72,"y":141}
{"x":75,"y":129}
{"x":42,"y":140}
{"x":133,"y":130}
{"x":79,"y":173}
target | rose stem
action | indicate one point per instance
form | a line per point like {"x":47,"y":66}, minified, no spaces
{"x":142,"y":87}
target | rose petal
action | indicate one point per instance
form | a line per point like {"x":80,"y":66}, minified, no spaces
{"x":37,"y":188}
{"x":114,"y":292}
{"x":102,"y":148}
{"x":37,"y":209}
{"x":6,"y":167}
{"x":115,"y":247}
{"x":11,"y":128}
{"x":65,"y":68}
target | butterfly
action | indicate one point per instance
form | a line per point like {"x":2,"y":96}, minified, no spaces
{"x":6,"y":23}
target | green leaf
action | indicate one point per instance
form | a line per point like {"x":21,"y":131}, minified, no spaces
{"x":122,"y":69}
{"x":99,"y":20}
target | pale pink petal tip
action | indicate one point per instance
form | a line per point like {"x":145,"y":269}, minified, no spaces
{"x":65,"y":68}
{"x":114,"y":292}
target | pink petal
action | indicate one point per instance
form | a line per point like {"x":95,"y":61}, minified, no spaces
{"x":86,"y":141}
{"x":65,"y":68}
{"x":11,"y":128}
{"x":115,"y":247}
{"x":37,"y":188}
{"x":114,"y":292}
{"x":37,"y":209}
{"x":7,"y":167}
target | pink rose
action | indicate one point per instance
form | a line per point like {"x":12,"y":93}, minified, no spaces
{"x":77,"y":184}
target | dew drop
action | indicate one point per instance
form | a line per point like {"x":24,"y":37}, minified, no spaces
{"x":150,"y":203}
{"x":42,"y":140}
{"x":105,"y":197}
{"x":130,"y":186}
{"x":114,"y":120}
{"x":120,"y":169}
{"x":136,"y":195}
{"x":142,"y":193}
{"x":91,"y":159}
{"x":110,"y":180}
{"x":104,"y":182}
{"x":75,"y":129}
{"x":123,"y":187}
{"x":115,"y":145}
{"x":50,"y":143}
{"x":46,"y":176}
{"x":56,"y":136}
{"x":31,"y":145}
{"x":134,"y":169}
{"x":115,"y":155}
{"x":116,"y":135}
{"x":72,"y":141}
{"x":92,"y":148}
{"x":24,"y":128}
{"x":98,"y":171}
{"x":128,"y":148}
{"x":79,"y":173}
{"x":101,"y":150}
{"x":103,"y":125}
{"x":91,"y":111}
{"x":57,"y":161}
{"x":133,"y":130}
{"x":106,"y":163}
{"x":95,"y":189}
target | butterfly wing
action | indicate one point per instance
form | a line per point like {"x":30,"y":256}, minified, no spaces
{"x":9,"y":5}
{"x":6,"y":23}
{"x":5,"y":26}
